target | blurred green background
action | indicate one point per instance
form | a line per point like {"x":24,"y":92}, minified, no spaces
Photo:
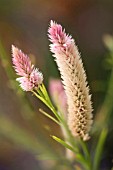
{"x":24,"y":132}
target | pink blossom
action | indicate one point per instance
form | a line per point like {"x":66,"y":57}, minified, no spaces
{"x":73,"y":76}
{"x":61,"y":43}
{"x":30,"y":78}
{"x":22,"y":63}
{"x":58,"y":95}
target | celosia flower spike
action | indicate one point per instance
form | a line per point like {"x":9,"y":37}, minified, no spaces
{"x":30,"y":78}
{"x":74,"y":79}
{"x":22,"y":63}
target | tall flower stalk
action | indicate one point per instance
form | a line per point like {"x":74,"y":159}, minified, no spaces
{"x":73,"y":77}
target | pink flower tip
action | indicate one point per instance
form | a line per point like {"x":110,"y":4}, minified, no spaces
{"x":30,"y":78}
{"x":60,"y":40}
{"x":56,"y":34}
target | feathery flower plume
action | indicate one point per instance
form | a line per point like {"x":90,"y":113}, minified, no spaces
{"x":73,"y":75}
{"x":30,"y":78}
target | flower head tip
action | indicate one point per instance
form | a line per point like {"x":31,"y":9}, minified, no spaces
{"x":30,"y":78}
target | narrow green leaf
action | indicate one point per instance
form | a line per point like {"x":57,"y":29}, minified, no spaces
{"x":62,"y":142}
{"x":85,"y":149}
{"x":99,"y":149}
{"x":42,"y":99}
{"x":49,"y":116}
{"x":51,"y":107}
{"x":40,"y":93}
{"x":80,"y":159}
{"x":45,"y":94}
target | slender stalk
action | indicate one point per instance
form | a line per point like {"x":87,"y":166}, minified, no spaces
{"x":49,"y":116}
{"x":99,"y":149}
{"x":86,"y":152}
{"x":64,"y":144}
{"x":47,"y":104}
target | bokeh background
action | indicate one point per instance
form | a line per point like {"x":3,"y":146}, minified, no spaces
{"x":24,"y":132}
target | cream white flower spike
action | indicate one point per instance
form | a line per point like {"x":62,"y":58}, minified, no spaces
{"x":73,"y":77}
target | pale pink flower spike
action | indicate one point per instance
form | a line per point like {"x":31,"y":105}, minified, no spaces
{"x":58,"y":95}
{"x":30,"y":78}
{"x":73,"y":75}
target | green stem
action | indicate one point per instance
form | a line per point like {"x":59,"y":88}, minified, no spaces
{"x":86,"y":152}
{"x":47,"y":104}
{"x":49,"y":116}
{"x":99,"y":149}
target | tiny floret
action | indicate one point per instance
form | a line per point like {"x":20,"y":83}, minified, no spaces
{"x":30,"y":78}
